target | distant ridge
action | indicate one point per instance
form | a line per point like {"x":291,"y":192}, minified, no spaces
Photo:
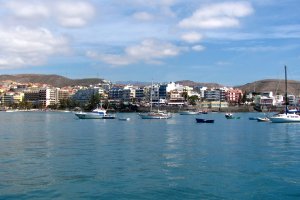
{"x":51,"y":79}
{"x":193,"y":84}
{"x":274,"y":85}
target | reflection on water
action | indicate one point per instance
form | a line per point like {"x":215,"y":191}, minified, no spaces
{"x":57,"y":156}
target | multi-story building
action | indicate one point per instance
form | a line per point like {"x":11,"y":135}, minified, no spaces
{"x":41,"y":97}
{"x":234,"y":96}
{"x":139,"y":94}
{"x":201,"y":90}
{"x":176,"y":98}
{"x":84,"y":95}
{"x":215,"y":95}
{"x":121,"y":94}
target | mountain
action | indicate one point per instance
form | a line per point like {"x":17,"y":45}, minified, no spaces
{"x":193,"y":84}
{"x":54,"y":80}
{"x":274,"y":85}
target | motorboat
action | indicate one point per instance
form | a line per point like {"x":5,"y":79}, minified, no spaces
{"x":98,"y":113}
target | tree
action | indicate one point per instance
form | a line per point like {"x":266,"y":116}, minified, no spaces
{"x":185,"y":95}
{"x":94,"y":101}
{"x":193,"y":99}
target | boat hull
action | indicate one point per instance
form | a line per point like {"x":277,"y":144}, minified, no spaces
{"x":204,"y":120}
{"x":188,"y":113}
{"x":155,"y":116}
{"x":283,"y":120}
{"x":264,"y":119}
{"x":89,"y":116}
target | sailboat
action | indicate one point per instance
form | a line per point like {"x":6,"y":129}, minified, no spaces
{"x":288,"y":116}
{"x":158,"y":114}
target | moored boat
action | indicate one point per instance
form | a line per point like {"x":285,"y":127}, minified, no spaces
{"x":288,"y":116}
{"x":97,"y":113}
{"x":199,"y":120}
{"x":124,"y":119}
{"x":189,"y":112}
{"x":229,"y":116}
{"x":263,"y":119}
{"x":155,"y":115}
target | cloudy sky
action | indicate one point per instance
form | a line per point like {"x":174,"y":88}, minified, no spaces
{"x":229,"y":42}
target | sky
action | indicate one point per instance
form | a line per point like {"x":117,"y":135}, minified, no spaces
{"x":226,"y":42}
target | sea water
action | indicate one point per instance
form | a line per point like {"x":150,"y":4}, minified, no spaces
{"x":53,"y":155}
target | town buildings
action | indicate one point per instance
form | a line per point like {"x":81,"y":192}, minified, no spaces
{"x":169,"y":94}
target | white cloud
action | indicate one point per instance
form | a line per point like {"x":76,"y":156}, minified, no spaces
{"x":66,"y":13}
{"x":25,"y":10}
{"x":143,"y":16}
{"x":192,"y":37}
{"x":21,"y":47}
{"x":220,"y":15}
{"x":264,"y":48}
{"x":149,"y":51}
{"x":198,"y":48}
{"x":74,"y":14}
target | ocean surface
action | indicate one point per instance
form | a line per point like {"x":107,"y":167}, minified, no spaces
{"x":53,"y":155}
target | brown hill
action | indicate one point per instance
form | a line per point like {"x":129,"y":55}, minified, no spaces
{"x":54,"y":80}
{"x":276,"y":86}
{"x":193,"y":84}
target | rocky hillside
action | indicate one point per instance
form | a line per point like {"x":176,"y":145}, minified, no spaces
{"x":277,"y":86}
{"x":54,"y":80}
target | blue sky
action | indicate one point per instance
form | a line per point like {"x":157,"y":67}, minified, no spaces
{"x":228,"y":42}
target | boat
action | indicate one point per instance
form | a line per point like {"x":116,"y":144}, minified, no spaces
{"x":189,"y":112}
{"x":124,"y":119}
{"x":155,"y":115}
{"x":108,"y":116}
{"x":287,"y":116}
{"x":229,"y":116}
{"x":198,"y":120}
{"x":158,"y":114}
{"x":263,"y":119}
{"x":98,"y":113}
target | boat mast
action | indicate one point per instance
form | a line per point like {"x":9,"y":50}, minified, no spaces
{"x":151,"y":93}
{"x":286,"y":98}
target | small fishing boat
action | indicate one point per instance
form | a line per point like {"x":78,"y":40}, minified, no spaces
{"x":229,"y":116}
{"x":263,"y":119}
{"x":198,"y":120}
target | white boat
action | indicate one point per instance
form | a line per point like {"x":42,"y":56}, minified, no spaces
{"x":287,"y":117}
{"x":124,"y":119}
{"x":155,"y":115}
{"x":263,"y":119}
{"x":189,"y":112}
{"x":98,"y":113}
